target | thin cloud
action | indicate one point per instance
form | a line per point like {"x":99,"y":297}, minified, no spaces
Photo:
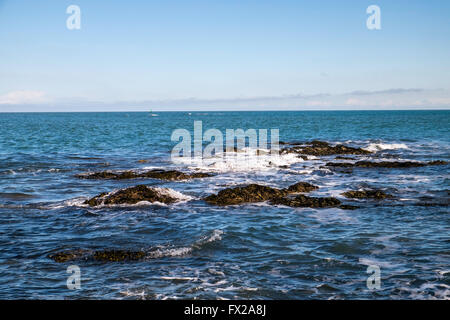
{"x":23,"y":97}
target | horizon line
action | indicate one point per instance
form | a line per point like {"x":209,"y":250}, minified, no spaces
{"x":219,"y":110}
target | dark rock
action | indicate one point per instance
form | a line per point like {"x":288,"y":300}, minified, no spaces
{"x":344,"y":158}
{"x":305,"y":158}
{"x":321,"y":148}
{"x":255,"y":193}
{"x":365,"y":194}
{"x":348,"y":207}
{"x":118,"y":255}
{"x":65,"y":256}
{"x":99,"y":255}
{"x":437,"y":163}
{"x":384,"y":164}
{"x":305,"y":201}
{"x":247,"y":194}
{"x":301,"y":187}
{"x":340,"y":164}
{"x":131,"y":196}
{"x":153,"y":174}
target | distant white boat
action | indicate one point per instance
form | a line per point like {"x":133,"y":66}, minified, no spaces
{"x":153,"y":114}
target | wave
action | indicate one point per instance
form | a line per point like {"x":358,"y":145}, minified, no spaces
{"x":80,"y":201}
{"x":244,"y":160}
{"x":374,"y":147}
{"x":161,"y":252}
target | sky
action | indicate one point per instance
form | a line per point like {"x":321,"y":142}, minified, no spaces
{"x":224,"y":55}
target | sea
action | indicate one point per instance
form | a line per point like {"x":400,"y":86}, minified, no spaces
{"x":397,"y":248}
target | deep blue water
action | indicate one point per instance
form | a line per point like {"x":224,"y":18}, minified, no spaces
{"x":254,"y":251}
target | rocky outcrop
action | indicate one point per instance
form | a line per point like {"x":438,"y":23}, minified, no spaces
{"x":98,"y":255}
{"x":321,"y":148}
{"x":307,"y":202}
{"x":153,"y":174}
{"x":301,"y":187}
{"x":255,"y":193}
{"x":69,"y":255}
{"x":366,"y":194}
{"x":131,"y":195}
{"x":247,"y":194}
{"x":384,"y":164}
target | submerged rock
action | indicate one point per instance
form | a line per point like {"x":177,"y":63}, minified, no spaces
{"x":305,"y":201}
{"x":70,"y":255}
{"x":348,"y":207}
{"x":385,"y":164}
{"x":98,"y":255}
{"x":321,"y":148}
{"x":344,"y":158}
{"x":365,"y":194}
{"x":255,"y":193}
{"x":118,"y":255}
{"x":131,"y":195}
{"x":153,"y":174}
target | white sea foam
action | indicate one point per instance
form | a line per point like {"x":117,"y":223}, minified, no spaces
{"x":246,"y":160}
{"x":374,"y":147}
{"x":174,"y":194}
{"x":164,"y":251}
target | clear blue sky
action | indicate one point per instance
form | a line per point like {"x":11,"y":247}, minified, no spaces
{"x":217,"y":54}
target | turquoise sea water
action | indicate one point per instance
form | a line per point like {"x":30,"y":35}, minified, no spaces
{"x":248,"y":251}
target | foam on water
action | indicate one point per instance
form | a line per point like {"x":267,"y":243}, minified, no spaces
{"x":247,"y":160}
{"x":162,"y":251}
{"x":374,"y":147}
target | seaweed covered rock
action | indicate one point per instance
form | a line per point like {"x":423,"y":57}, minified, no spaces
{"x":153,"y":174}
{"x":301,"y":187}
{"x":132,"y":195}
{"x":321,"y":148}
{"x":69,"y":255}
{"x":307,"y":202}
{"x":255,"y":193}
{"x":98,"y":255}
{"x":385,"y":164}
{"x":118,"y":255}
{"x":366,"y":194}
{"x":247,"y":194}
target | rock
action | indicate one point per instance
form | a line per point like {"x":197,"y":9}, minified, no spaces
{"x":385,"y":164}
{"x":308,"y":202}
{"x":247,"y":194}
{"x":348,"y":207}
{"x":366,"y":194}
{"x":321,"y":148}
{"x":131,"y":195}
{"x":305,"y":158}
{"x":99,"y":255}
{"x":118,"y":255}
{"x":65,"y":256}
{"x":153,"y":174}
{"x":301,"y":187}
{"x":437,"y":163}
{"x":344,"y":158}
{"x":255,"y":193}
